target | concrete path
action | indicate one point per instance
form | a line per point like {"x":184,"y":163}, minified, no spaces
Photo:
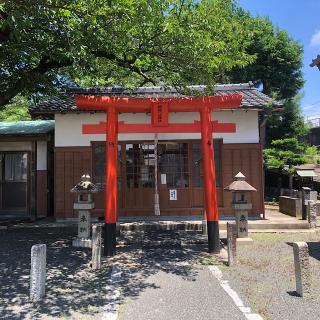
{"x":164,"y":279}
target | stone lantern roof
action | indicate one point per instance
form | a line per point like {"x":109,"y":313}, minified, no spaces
{"x":85,"y":185}
{"x":240,"y":185}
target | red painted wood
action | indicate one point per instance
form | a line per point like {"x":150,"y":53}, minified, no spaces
{"x":100,"y":128}
{"x":185,"y":104}
{"x":204,"y":105}
{"x":110,"y":215}
{"x":210,"y":192}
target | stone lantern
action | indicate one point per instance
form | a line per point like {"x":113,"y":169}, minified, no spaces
{"x":239,"y":187}
{"x":84,"y":189}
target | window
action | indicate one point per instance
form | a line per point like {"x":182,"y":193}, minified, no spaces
{"x":197,"y":168}
{"x":15,"y":167}
{"x":173,"y":162}
{"x":140,"y":165}
{"x":99,"y":164}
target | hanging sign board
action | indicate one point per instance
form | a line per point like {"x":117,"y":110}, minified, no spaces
{"x":163,"y":178}
{"x":160,"y":114}
{"x":173,"y":194}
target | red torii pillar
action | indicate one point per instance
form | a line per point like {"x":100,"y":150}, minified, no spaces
{"x":111,"y":182}
{"x":204,"y":105}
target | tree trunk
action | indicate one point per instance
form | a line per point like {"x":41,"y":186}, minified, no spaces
{"x":290,"y":184}
{"x":279,"y":184}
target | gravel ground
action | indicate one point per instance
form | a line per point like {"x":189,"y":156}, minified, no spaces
{"x":72,"y":288}
{"x":265,"y":278}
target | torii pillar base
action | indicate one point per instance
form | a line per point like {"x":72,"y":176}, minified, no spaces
{"x":110,"y":232}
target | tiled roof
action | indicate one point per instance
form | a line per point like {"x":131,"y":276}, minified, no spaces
{"x":18,"y":128}
{"x":316,"y":61}
{"x":252,"y":98}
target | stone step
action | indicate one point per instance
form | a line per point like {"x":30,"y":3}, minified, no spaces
{"x":197,"y":226}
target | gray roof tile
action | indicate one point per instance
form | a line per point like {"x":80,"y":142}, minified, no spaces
{"x":252,"y":98}
{"x":26,"y":127}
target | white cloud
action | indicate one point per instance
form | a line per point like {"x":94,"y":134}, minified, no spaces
{"x":315,"y":40}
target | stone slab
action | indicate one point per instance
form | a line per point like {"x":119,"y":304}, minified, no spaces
{"x":244,"y":241}
{"x":82,"y":243}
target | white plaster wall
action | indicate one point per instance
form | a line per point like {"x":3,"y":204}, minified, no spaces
{"x":68,"y":127}
{"x":16,"y":146}
{"x":41,"y":155}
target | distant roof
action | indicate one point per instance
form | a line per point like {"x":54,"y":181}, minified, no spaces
{"x":252,"y":98}
{"x":315,"y":62}
{"x":306,"y":173}
{"x":18,"y":128}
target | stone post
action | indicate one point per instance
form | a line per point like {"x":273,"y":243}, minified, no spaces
{"x":96,"y":246}
{"x":312,"y":214}
{"x":204,"y":227}
{"x":232,"y":243}
{"x":38,"y":272}
{"x":302,"y":268}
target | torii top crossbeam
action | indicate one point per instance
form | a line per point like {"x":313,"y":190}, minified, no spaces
{"x":179,"y":104}
{"x":159,"y":108}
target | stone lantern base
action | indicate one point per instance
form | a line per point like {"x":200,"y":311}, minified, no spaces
{"x":84,"y":225}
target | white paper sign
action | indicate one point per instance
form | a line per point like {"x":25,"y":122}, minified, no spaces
{"x":163,"y":178}
{"x":173,"y":194}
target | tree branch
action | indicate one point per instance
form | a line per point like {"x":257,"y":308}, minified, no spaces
{"x":45,"y":64}
{"x":129,"y":64}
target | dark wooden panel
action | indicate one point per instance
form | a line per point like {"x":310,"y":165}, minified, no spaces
{"x":70,"y":164}
{"x":42,"y":196}
{"x":59,"y":184}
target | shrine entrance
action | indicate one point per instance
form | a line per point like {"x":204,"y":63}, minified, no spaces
{"x":141,"y":153}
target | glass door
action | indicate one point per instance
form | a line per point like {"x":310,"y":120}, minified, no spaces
{"x":139,"y":171}
{"x":14,"y":181}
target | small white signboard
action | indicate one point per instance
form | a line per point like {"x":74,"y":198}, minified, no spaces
{"x":163,"y":178}
{"x":173,"y":194}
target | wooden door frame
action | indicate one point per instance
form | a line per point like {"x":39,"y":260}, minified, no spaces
{"x":28,"y":183}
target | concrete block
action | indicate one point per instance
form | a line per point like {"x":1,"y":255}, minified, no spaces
{"x":291,"y":206}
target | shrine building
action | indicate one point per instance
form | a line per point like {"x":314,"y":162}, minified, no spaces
{"x":158,"y":132}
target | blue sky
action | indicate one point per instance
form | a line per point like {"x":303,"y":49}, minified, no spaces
{"x":301,"y":18}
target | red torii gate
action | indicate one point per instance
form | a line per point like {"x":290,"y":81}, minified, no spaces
{"x":159,"y":108}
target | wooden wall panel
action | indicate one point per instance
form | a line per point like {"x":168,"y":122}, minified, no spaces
{"x":246,"y":158}
{"x":70,"y":164}
{"x":42,"y":197}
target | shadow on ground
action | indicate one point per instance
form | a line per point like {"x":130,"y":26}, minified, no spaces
{"x":72,"y":288}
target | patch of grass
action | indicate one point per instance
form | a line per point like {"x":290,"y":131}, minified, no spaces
{"x":207,"y":261}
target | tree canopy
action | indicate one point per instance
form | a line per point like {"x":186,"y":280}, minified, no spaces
{"x":46,"y":44}
{"x":285,"y":152}
{"x":288,"y":123}
{"x":278,"y":60}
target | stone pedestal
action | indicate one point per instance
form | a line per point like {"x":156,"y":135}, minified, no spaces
{"x":312,"y":214}
{"x":38,"y":272}
{"x":241,"y":213}
{"x":302,"y":268}
{"x":232,"y":243}
{"x":84,"y":224}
